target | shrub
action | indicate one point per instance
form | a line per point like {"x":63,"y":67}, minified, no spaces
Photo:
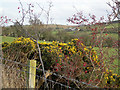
{"x":111,"y":79}
{"x":72,"y":59}
{"x":5,"y":44}
{"x":18,"y":49}
{"x":50,"y":51}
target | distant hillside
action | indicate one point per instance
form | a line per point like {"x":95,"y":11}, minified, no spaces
{"x":59,"y":26}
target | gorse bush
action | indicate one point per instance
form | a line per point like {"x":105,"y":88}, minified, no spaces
{"x":72,"y":59}
{"x":20,"y":47}
{"x":5,"y":44}
{"x":63,"y":58}
{"x":112,"y":79}
{"x":58,"y":52}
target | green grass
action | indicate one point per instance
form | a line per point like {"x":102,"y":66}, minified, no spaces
{"x":79,"y":32}
{"x":115,"y":25}
{"x":113,"y":35}
{"x":109,"y":53}
{"x":54,"y":32}
{"x":11,"y":39}
{"x":44,"y":41}
{"x":7,"y":39}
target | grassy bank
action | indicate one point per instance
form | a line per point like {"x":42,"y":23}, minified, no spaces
{"x":11,"y":39}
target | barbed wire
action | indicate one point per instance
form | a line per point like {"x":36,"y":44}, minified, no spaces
{"x":61,"y":76}
{"x":56,"y":74}
{"x":37,"y":76}
{"x":56,"y":82}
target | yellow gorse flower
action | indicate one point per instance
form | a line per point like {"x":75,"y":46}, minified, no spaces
{"x":25,"y":41}
{"x":60,"y":55}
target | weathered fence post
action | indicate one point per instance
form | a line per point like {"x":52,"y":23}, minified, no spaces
{"x":32,"y":73}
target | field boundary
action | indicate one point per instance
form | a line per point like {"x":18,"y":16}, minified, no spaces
{"x":48,"y":73}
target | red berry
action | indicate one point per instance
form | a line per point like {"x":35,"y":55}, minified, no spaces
{"x":57,"y":64}
{"x":56,"y":70}
{"x":84,"y":64}
{"x":85,"y":71}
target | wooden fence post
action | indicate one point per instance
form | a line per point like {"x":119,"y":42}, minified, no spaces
{"x":32,"y":73}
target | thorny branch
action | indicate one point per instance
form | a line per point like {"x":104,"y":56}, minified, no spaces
{"x":115,"y":10}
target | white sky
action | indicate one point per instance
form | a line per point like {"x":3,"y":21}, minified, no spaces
{"x":61,"y":10}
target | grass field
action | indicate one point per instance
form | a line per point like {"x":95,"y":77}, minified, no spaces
{"x":112,"y":25}
{"x":113,"y":35}
{"x":7,"y":39}
{"x":109,"y":53}
{"x":11,"y":39}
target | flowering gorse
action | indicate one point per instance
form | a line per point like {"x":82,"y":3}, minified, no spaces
{"x":111,"y":79}
{"x":72,"y":59}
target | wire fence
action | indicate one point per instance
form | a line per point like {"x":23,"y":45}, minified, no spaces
{"x":16,"y":75}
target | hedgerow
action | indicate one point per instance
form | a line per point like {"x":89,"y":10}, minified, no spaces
{"x":72,"y":59}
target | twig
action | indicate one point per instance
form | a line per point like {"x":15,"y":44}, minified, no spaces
{"x":100,"y":79}
{"x":42,"y":63}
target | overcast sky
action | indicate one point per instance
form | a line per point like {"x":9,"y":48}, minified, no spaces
{"x":61,"y":10}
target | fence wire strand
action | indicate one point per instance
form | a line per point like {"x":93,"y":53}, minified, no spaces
{"x":60,"y":76}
